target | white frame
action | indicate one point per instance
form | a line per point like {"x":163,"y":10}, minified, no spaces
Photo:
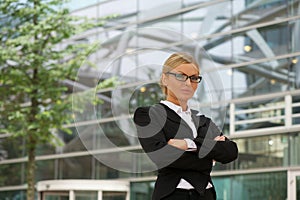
{"x":291,"y":184}
{"x":69,"y":186}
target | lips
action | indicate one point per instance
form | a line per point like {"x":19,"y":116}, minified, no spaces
{"x":186,"y":91}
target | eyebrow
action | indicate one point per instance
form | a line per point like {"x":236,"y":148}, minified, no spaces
{"x":188,"y":75}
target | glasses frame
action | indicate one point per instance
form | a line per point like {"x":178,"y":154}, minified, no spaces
{"x":186,"y":77}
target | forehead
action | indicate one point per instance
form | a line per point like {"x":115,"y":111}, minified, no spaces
{"x":189,"y":68}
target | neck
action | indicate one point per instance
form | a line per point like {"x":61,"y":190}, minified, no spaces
{"x":182,"y":104}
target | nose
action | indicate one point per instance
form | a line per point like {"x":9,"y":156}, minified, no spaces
{"x":188,"y":81}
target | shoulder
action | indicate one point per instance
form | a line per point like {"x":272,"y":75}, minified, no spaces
{"x":147,"y":109}
{"x":144,"y":114}
{"x":141,"y":112}
{"x":153,"y":108}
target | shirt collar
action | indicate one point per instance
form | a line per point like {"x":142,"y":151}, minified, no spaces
{"x":176,"y":108}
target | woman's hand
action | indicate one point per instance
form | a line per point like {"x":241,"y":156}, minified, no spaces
{"x":220,"y":138}
{"x":178,"y":143}
{"x":181,"y":143}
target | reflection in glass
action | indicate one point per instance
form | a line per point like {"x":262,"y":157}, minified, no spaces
{"x":15,"y":195}
{"x":260,"y":114}
{"x":145,"y":95}
{"x":55,"y":196}
{"x":294,"y":148}
{"x":45,"y":170}
{"x":261,"y":152}
{"x":75,"y":168}
{"x":86,"y":195}
{"x":12,"y":174}
{"x":252,"y":186}
{"x":114,"y":196}
{"x":9,"y":148}
{"x":141,"y":190}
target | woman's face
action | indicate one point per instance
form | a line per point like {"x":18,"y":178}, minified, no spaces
{"x":178,"y":90}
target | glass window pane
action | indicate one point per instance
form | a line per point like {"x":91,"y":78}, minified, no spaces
{"x":12,"y":174}
{"x":56,"y":196}
{"x":260,"y":152}
{"x":9,"y":148}
{"x":14,"y":195}
{"x":260,"y":114}
{"x":294,"y":149}
{"x":141,"y":190}
{"x":45,"y":170}
{"x":114,"y":196}
{"x":86,"y":195}
{"x":75,"y":167}
{"x":252,"y":186}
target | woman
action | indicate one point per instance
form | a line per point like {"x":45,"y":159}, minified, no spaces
{"x":181,"y":143}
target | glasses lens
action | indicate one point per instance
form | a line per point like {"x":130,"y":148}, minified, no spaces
{"x":181,"y":77}
{"x":195,"y":79}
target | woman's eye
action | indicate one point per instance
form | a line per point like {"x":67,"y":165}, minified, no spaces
{"x":181,"y":76}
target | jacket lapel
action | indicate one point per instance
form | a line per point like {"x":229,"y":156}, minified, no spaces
{"x":196,"y":119}
{"x":173,"y":116}
{"x":199,"y":120}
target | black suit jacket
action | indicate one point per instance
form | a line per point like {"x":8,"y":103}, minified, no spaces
{"x":157,"y":124}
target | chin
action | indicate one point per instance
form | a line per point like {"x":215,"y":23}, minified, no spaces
{"x":185,"y":98}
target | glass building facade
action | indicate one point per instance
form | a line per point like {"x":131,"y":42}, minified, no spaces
{"x":249,"y":54}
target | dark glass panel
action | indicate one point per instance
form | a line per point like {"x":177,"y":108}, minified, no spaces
{"x":252,"y":186}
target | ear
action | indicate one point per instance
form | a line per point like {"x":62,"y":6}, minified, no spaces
{"x":164,"y":80}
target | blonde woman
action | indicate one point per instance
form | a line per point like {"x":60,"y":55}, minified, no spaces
{"x":182,"y":143}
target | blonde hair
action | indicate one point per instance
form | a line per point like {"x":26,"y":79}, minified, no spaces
{"x":174,"y":61}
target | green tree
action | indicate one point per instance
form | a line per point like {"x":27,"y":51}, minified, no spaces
{"x":34,"y":62}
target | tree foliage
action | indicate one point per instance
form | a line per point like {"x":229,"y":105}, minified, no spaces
{"x":37,"y":54}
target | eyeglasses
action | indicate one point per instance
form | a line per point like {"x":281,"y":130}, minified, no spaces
{"x":184,"y":77}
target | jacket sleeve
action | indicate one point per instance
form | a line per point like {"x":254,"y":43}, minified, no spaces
{"x":150,"y":128}
{"x":221,"y":151}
